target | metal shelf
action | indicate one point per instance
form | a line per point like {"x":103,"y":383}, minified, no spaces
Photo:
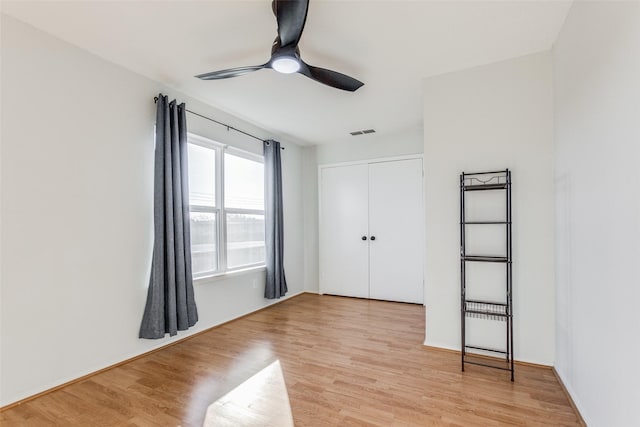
{"x":493,"y":350}
{"x":482,"y":309}
{"x":481,"y":187}
{"x":486,"y":222}
{"x":486,"y":310}
{"x":485,"y":258}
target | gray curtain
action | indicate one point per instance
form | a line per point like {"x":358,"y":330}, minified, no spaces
{"x":170,"y":304}
{"x":276,"y":284}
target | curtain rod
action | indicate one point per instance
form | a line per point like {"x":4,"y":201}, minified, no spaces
{"x":229,"y":127}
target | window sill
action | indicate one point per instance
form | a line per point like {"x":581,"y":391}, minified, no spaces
{"x":228,"y":275}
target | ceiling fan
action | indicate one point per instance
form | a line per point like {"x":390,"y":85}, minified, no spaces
{"x":285,"y":55}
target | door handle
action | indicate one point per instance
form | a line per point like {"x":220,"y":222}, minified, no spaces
{"x":364,"y":237}
{"x":373,"y":237}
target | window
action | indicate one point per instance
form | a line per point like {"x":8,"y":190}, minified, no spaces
{"x":244,"y":210}
{"x":226,"y":203}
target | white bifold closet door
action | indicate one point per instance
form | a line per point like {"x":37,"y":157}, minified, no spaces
{"x":371,"y":235}
{"x":395,"y":220}
{"x":344,"y":210}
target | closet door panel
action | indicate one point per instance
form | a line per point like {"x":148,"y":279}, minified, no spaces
{"x":344,"y":258}
{"x":395,"y":219}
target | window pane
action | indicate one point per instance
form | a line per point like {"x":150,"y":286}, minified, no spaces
{"x":202,"y":175}
{"x":204,"y":242}
{"x":243,"y":183}
{"x":245,"y":239}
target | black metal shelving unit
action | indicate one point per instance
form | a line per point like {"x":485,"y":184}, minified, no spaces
{"x":475,"y":308}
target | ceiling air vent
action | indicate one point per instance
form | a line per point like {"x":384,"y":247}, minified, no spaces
{"x":362,"y":132}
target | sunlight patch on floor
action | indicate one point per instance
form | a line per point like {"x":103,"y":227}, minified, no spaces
{"x":261,"y":400}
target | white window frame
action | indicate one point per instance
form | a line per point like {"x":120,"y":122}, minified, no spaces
{"x":220,"y":210}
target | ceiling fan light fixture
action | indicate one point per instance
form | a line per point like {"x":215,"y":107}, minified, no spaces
{"x":286,"y":64}
{"x":285,"y":53}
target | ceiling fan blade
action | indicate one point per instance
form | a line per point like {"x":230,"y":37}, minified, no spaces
{"x":330,"y":78}
{"x":231,"y":72}
{"x":291,"y":16}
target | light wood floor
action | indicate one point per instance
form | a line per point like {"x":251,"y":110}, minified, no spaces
{"x":342,"y":361}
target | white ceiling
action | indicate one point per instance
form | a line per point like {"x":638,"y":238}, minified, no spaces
{"x":389,"y":45}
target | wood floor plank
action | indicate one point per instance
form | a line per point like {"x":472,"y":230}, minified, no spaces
{"x":342,"y":361}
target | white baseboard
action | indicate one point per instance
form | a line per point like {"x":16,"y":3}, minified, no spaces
{"x":572,"y":396}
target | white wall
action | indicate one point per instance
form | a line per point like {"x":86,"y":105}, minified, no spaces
{"x":76,"y":215}
{"x":596,"y":63}
{"x":372,"y":146}
{"x":490,"y":118}
{"x":310,"y":201}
